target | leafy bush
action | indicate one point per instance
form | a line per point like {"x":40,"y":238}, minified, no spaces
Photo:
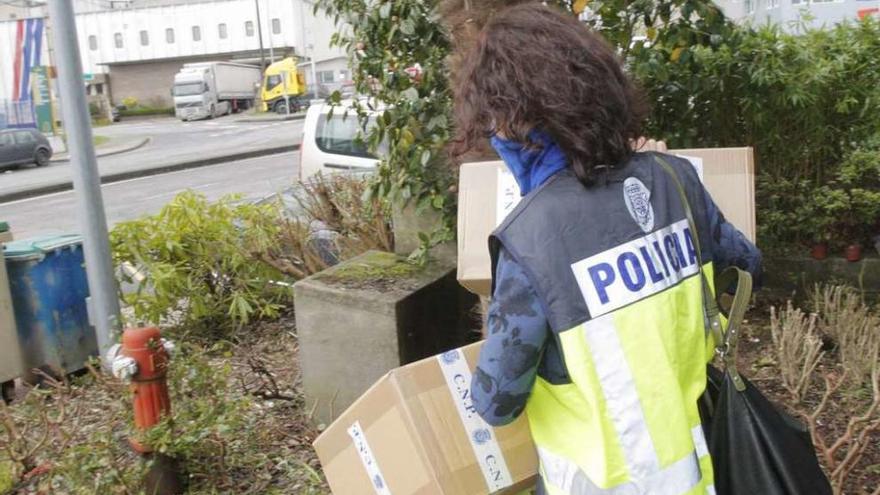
{"x":810,"y":106}
{"x":130,"y":102}
{"x":399,"y":54}
{"x":142,"y":111}
{"x":200,"y":261}
{"x":803,"y":101}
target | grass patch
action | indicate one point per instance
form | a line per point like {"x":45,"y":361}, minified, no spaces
{"x":100,"y":140}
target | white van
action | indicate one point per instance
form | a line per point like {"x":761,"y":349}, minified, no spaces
{"x":330,"y":144}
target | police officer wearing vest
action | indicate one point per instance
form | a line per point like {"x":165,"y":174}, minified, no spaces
{"x":595,"y":327}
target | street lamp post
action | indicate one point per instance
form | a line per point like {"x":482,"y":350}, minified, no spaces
{"x":260,"y":35}
{"x":86,"y":179}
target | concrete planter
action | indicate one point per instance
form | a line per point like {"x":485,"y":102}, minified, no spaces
{"x":368,"y":315}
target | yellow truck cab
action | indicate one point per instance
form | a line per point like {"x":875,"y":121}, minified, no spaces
{"x":282,"y":79}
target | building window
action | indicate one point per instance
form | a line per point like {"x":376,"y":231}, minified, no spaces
{"x":169,"y":35}
{"x":93,"y":42}
{"x":221,"y":30}
{"x":249,"y":28}
{"x":276,"y":26}
{"x":772,"y":4}
{"x":197,"y":33}
{"x":99,"y":88}
{"x":117,"y":40}
{"x":145,"y":38}
{"x":750,"y":6}
{"x":325,"y":76}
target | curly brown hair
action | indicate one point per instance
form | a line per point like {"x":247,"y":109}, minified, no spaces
{"x":534,"y":67}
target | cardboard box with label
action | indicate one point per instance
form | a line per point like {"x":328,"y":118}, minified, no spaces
{"x":488,"y":192}
{"x":415,"y":432}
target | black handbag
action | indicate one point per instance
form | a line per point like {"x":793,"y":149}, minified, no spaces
{"x":756,"y":449}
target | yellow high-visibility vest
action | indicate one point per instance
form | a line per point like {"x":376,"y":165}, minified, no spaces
{"x":618,"y":273}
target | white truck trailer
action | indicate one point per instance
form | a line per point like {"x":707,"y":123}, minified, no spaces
{"x":208,"y":89}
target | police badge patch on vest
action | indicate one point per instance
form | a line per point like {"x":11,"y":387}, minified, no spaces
{"x":638,"y":202}
{"x":637,"y":269}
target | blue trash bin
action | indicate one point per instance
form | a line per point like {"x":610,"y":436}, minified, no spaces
{"x":47,"y":280}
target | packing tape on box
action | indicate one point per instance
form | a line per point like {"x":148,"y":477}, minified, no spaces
{"x":366,"y":454}
{"x":480,"y":434}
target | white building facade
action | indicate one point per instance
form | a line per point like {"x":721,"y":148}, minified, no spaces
{"x":794,"y":15}
{"x":134,"y":51}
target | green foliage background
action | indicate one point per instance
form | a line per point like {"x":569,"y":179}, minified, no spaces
{"x":804,"y":102}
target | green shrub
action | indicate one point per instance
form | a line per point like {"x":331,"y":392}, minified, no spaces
{"x":200,"y":262}
{"x":795,"y":213}
{"x":142,"y":111}
{"x":802,"y":101}
{"x":853,"y":198}
{"x":809,"y":105}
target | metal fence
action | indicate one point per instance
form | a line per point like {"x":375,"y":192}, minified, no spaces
{"x":17,"y":114}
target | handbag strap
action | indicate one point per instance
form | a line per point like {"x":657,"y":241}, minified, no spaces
{"x":725,"y":341}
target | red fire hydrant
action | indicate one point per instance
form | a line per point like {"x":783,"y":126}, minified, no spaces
{"x":142,"y":360}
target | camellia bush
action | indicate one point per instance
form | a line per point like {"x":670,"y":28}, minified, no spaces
{"x":399,"y":51}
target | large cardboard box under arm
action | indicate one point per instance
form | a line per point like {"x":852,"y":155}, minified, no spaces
{"x":488,"y":192}
{"x":415,"y":432}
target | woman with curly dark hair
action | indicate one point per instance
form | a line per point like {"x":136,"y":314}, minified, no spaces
{"x":595,"y":327}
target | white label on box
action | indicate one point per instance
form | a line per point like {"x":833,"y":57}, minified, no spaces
{"x":508,"y":195}
{"x":481,"y":435}
{"x":370,"y":464}
{"x":696,"y":162}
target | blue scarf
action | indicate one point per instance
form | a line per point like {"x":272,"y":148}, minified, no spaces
{"x":531,"y":166}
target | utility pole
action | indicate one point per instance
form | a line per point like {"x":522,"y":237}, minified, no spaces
{"x":86,"y":179}
{"x":260,"y":36}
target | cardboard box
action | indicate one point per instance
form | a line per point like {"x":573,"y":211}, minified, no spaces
{"x":415,"y":432}
{"x":488,"y":192}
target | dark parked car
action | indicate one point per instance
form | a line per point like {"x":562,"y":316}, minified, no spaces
{"x":23,"y":146}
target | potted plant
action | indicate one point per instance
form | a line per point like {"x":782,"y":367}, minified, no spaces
{"x":819,"y":251}
{"x":818,"y":219}
{"x":820,"y":226}
{"x":853,"y":252}
{"x":857,"y":193}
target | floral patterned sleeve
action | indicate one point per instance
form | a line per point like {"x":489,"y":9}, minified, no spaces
{"x":511,"y":354}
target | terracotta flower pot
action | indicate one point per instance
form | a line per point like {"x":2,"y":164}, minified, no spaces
{"x":853,"y":252}
{"x":819,"y":251}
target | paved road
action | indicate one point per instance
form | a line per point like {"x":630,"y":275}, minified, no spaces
{"x":127,"y":200}
{"x":172,"y":141}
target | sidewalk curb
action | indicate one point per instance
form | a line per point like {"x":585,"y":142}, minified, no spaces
{"x":136,"y":174}
{"x":136,"y":145}
{"x":259,"y":120}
